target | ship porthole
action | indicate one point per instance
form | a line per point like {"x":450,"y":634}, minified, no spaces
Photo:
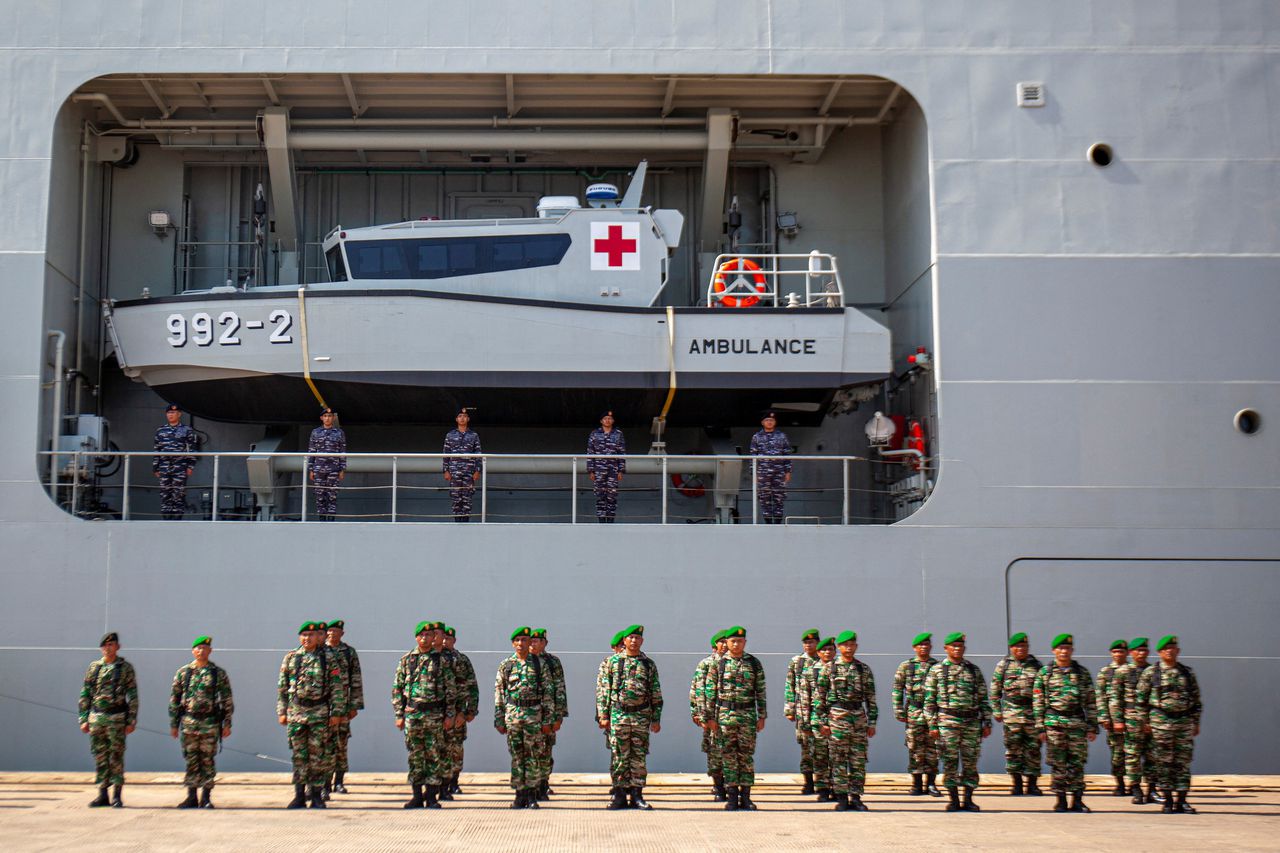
{"x":1100,"y":154}
{"x":1248,"y":421}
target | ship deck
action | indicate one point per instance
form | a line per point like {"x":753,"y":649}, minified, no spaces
{"x":47,"y":811}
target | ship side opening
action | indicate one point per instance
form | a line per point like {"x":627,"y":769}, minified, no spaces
{"x":539,"y":247}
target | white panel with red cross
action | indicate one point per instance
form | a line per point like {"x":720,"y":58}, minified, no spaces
{"x":615,"y":246}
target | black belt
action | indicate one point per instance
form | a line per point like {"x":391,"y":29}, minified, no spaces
{"x":1018,"y":700}
{"x":1173,"y":715}
{"x":628,"y":709}
{"x":525,"y":703}
{"x":424,"y":707}
{"x":212,"y":715}
{"x":847,"y":706}
{"x":737,"y":706}
{"x":114,"y":709}
{"x":309,"y":703}
{"x":966,"y":714}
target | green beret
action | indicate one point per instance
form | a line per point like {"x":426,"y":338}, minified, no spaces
{"x":829,"y":641}
{"x":522,"y":631}
{"x":307,"y":626}
{"x":922,"y":637}
{"x":954,"y":637}
{"x":1138,"y":643}
{"x":538,"y":634}
{"x":321,"y":626}
{"x":811,"y":634}
{"x":449,"y":631}
{"x":424,"y":625}
{"x":1019,"y":637}
{"x":1063,"y":640}
{"x":846,"y":637}
{"x":337,"y":623}
{"x":1169,"y":640}
{"x":717,"y":637}
{"x":616,"y":640}
{"x":634,"y":629}
{"x":1117,"y":644}
{"x":202,"y":641}
{"x":735,"y":631}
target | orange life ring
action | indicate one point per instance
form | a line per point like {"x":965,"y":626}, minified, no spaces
{"x":738,"y":265}
{"x":689,"y":485}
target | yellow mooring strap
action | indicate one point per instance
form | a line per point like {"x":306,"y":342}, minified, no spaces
{"x":306,"y":350}
{"x":671,"y":360}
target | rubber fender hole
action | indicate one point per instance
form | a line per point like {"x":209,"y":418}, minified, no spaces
{"x":1248,"y":421}
{"x":1100,"y":154}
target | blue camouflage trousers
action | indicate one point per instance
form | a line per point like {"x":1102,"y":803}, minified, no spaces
{"x":173,"y":490}
{"x":461,"y":490}
{"x":606,"y":489}
{"x":772,"y":489}
{"x":326,"y":489}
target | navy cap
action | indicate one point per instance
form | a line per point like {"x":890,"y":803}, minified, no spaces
{"x":328,"y":410}
{"x":172,"y":408}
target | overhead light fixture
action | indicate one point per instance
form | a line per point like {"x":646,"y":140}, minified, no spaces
{"x":161,"y":222}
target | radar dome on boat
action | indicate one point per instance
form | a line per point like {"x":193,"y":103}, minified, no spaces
{"x":602,"y":195}
{"x":555,"y":206}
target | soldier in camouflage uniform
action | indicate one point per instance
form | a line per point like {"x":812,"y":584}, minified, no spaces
{"x":1169,"y":707}
{"x":349,"y":665}
{"x":555,"y":674}
{"x":805,"y":698}
{"x":1123,"y":711}
{"x":173,"y":471}
{"x":464,"y":675}
{"x":699,"y":712}
{"x":908,"y":708}
{"x":616,"y":648}
{"x":791,"y":690}
{"x":959,"y":715}
{"x":462,"y":472}
{"x":631,"y":707}
{"x":844,"y":710}
{"x":771,"y":477}
{"x":606,"y":474}
{"x":200,"y":709}
{"x":424,"y":699}
{"x":523,"y":709}
{"x":1065,"y":706}
{"x":1119,"y":650}
{"x":1011,"y":684}
{"x":310,"y":699}
{"x":326,"y":472}
{"x":109,"y":712}
{"x":736,"y":709}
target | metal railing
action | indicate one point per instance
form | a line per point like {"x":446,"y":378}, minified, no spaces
{"x":249,"y":485}
{"x":744,"y":280}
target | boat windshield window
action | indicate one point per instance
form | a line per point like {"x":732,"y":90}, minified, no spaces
{"x":449,"y":257}
{"x":337,"y":269}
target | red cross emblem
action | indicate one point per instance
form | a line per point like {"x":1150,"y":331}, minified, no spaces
{"x":615,"y":246}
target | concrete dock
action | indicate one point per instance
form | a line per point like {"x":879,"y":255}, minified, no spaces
{"x":48,"y":811}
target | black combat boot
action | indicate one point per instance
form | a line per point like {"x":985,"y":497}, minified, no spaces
{"x":456,"y":788}
{"x":444,"y":793}
{"x":856,"y":804}
{"x":1139,"y":798}
{"x":518,"y":802}
{"x":808,"y":782}
{"x":744,"y":799}
{"x":338,"y":787}
{"x":618,"y":799}
{"x":1120,"y":790}
{"x":842,"y":802}
{"x":731,"y":804}
{"x":717,"y":788}
{"x":825,"y":796}
{"x":299,"y":797}
{"x":1077,"y":802}
{"x":1168,"y":807}
{"x":531,"y":798}
{"x":429,"y":800}
{"x":416,"y":801}
{"x":1154,"y":796}
{"x":1016,"y":790}
{"x":1033,"y":790}
{"x":931,"y":785}
{"x":326,"y":791}
{"x":917,"y":787}
{"x":1061,"y":805}
{"x":101,"y":800}
{"x":969,"y":804}
{"x":1181,"y":806}
{"x":542,"y":793}
{"x":637,"y":799}
{"x":116,"y":801}
{"x":206,"y":797}
{"x":954,"y":804}
{"x":317,"y":797}
{"x":190,"y":802}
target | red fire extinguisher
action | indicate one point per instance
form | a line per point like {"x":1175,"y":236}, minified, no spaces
{"x":915,"y":441}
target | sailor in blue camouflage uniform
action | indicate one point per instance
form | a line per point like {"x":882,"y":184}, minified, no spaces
{"x":462,"y":472}
{"x":326,"y":472}
{"x":771,"y":477}
{"x":173,"y":471}
{"x":606,"y":474}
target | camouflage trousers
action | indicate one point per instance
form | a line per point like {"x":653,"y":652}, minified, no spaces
{"x":548,"y":755}
{"x":1115,"y":743}
{"x":822,"y":763}
{"x":737,"y":743}
{"x":1021,"y":748}
{"x":805,"y":738}
{"x":960,"y":744}
{"x":527,"y":745}
{"x":309,"y":744}
{"x":340,"y":736}
{"x":173,"y":491}
{"x":461,"y":490}
{"x":772,"y":489}
{"x":453,"y":749}
{"x":606,"y":489}
{"x":199,"y":749}
{"x":1067,"y":752}
{"x":1138,"y":764}
{"x":849,"y":754}
{"x":628,"y":751}
{"x":326,"y":491}
{"x":711,"y":746}
{"x":1172,"y":744}
{"x":922,"y":750}
{"x":424,"y":740}
{"x":106,"y":741}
